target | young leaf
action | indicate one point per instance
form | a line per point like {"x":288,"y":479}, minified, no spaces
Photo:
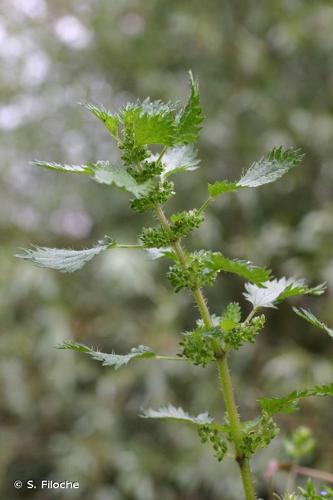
{"x":311,"y":318}
{"x":63,"y":167}
{"x":171,"y":412}
{"x":245,"y":269}
{"x":115,"y":360}
{"x":66,"y":261}
{"x":231,"y":317}
{"x":188,"y":122}
{"x":105,"y":173}
{"x":288,"y":403}
{"x":151,"y":121}
{"x":271,"y":167}
{"x":111,"y":121}
{"x":179,"y":159}
{"x":276,"y":290}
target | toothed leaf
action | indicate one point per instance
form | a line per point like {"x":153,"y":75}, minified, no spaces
{"x":63,"y":260}
{"x":105,"y":173}
{"x":115,"y":360}
{"x":268,"y":169}
{"x":298,"y":287}
{"x":173,"y":413}
{"x":311,"y":318}
{"x":276,"y":290}
{"x":288,"y":403}
{"x":245,"y":269}
{"x":190,"y":118}
{"x":271,"y":167}
{"x":109,"y":119}
{"x":63,"y":167}
{"x":152,"y":122}
{"x":179,"y":159}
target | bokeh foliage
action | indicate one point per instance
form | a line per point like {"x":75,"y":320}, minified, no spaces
{"x":266,"y":78}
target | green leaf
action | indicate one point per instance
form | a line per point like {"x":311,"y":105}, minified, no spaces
{"x":288,"y":403}
{"x":66,"y":261}
{"x":245,"y":269}
{"x":106,"y":173}
{"x":173,"y":413}
{"x":188,"y":121}
{"x":271,"y":167}
{"x":110,"y":120}
{"x":311,"y":318}
{"x":220,"y":187}
{"x":298,"y":287}
{"x":151,"y":121}
{"x":179,"y":159}
{"x":63,"y":167}
{"x":103,"y":172}
{"x":276,"y":290}
{"x":115,"y":360}
{"x":300,"y":443}
{"x":268,"y":169}
{"x":310,"y":492}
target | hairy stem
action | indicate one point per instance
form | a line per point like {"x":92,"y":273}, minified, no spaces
{"x":223,"y":371}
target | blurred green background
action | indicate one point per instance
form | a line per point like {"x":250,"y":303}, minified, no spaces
{"x":266,"y":75}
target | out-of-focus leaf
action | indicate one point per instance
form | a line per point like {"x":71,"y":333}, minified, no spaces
{"x":311,"y":318}
{"x":173,"y":413}
{"x":63,"y":167}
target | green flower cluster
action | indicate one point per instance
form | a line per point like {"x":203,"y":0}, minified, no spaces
{"x":207,"y":434}
{"x":197,"y":346}
{"x":183,"y":223}
{"x":156,"y":196}
{"x":147,"y":170}
{"x":258,"y":434}
{"x":244,"y":332}
{"x":154,"y":237}
{"x":131,"y":153}
{"x":192,"y":275}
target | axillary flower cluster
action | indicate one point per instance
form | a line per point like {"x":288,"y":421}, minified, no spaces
{"x":172,"y":130}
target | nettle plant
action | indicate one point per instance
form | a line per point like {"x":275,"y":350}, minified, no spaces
{"x":172,"y":130}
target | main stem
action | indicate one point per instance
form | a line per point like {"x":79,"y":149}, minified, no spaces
{"x":223,"y":372}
